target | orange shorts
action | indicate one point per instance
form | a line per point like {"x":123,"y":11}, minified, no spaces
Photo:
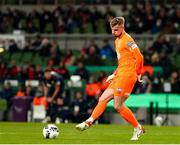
{"x":123,"y":84}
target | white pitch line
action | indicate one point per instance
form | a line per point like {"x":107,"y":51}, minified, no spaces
{"x":7,"y":133}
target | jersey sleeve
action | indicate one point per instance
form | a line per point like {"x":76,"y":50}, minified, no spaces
{"x":137,"y":55}
{"x":58,"y":82}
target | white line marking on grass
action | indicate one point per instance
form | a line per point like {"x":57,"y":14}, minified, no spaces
{"x":7,"y":133}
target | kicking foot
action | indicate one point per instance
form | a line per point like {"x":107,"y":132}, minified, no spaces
{"x":83,"y":126}
{"x":139,"y":131}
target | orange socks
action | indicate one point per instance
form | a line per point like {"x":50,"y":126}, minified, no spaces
{"x":99,"y":109}
{"x":127,"y":114}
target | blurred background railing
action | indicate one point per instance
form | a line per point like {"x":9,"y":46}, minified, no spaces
{"x":77,"y":41}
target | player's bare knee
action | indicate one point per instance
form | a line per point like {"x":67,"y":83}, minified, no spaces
{"x":117,"y":107}
{"x":106,"y":96}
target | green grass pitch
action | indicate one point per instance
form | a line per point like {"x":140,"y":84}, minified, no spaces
{"x":31,"y":133}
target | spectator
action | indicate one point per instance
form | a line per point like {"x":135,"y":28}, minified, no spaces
{"x":21,"y":91}
{"x":83,"y":57}
{"x":7,"y":94}
{"x":162,"y":45}
{"x":12,"y":46}
{"x":33,"y":15}
{"x":45,"y":18}
{"x":175,"y":83}
{"x":70,"y":23}
{"x":78,"y":107}
{"x":39,"y":99}
{"x":69,"y":58}
{"x":29,"y":91}
{"x":157,"y":85}
{"x":30,"y":71}
{"x":109,"y":14}
{"x":63,"y":71}
{"x":35,"y":44}
{"x":107,"y":51}
{"x":102,"y":80}
{"x":31,"y":28}
{"x":123,"y":10}
{"x":50,"y":64}
{"x":17,"y":16}
{"x":147,"y":85}
{"x":44,"y":49}
{"x":175,"y":18}
{"x":149,"y":19}
{"x":55,"y":54}
{"x":176,"y":46}
{"x":94,"y":18}
{"x":82,"y":71}
{"x":12,"y":70}
{"x":21,"y":75}
{"x":136,"y":20}
{"x":58,"y":20}
{"x":93,"y":56}
{"x":147,"y":55}
{"x":93,"y":88}
{"x":6,"y":23}
{"x":92,"y":43}
{"x":38,"y":72}
{"x":3,"y":71}
{"x":155,"y":59}
{"x":166,"y":64}
{"x":160,"y":20}
{"x":63,"y":114}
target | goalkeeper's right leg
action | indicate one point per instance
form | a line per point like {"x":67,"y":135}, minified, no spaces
{"x":98,"y":110}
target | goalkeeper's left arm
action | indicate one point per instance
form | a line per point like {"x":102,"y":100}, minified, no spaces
{"x":139,"y":62}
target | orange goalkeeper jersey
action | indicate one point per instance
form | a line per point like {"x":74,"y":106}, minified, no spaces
{"x":130,"y":59}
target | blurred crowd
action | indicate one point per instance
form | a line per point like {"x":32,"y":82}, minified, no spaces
{"x":141,"y":17}
{"x":76,"y":105}
{"x":160,"y":54}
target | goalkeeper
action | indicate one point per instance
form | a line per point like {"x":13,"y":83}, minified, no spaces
{"x":122,"y":81}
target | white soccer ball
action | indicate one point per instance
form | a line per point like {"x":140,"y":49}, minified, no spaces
{"x":50,"y":131}
{"x":158,"y":121}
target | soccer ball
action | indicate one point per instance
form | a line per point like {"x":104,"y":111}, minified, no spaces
{"x":158,"y":121}
{"x":50,"y":131}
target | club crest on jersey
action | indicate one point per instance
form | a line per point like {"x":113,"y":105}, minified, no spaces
{"x":132,"y":45}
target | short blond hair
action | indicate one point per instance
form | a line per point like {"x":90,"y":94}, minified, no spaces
{"x":117,"y":21}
